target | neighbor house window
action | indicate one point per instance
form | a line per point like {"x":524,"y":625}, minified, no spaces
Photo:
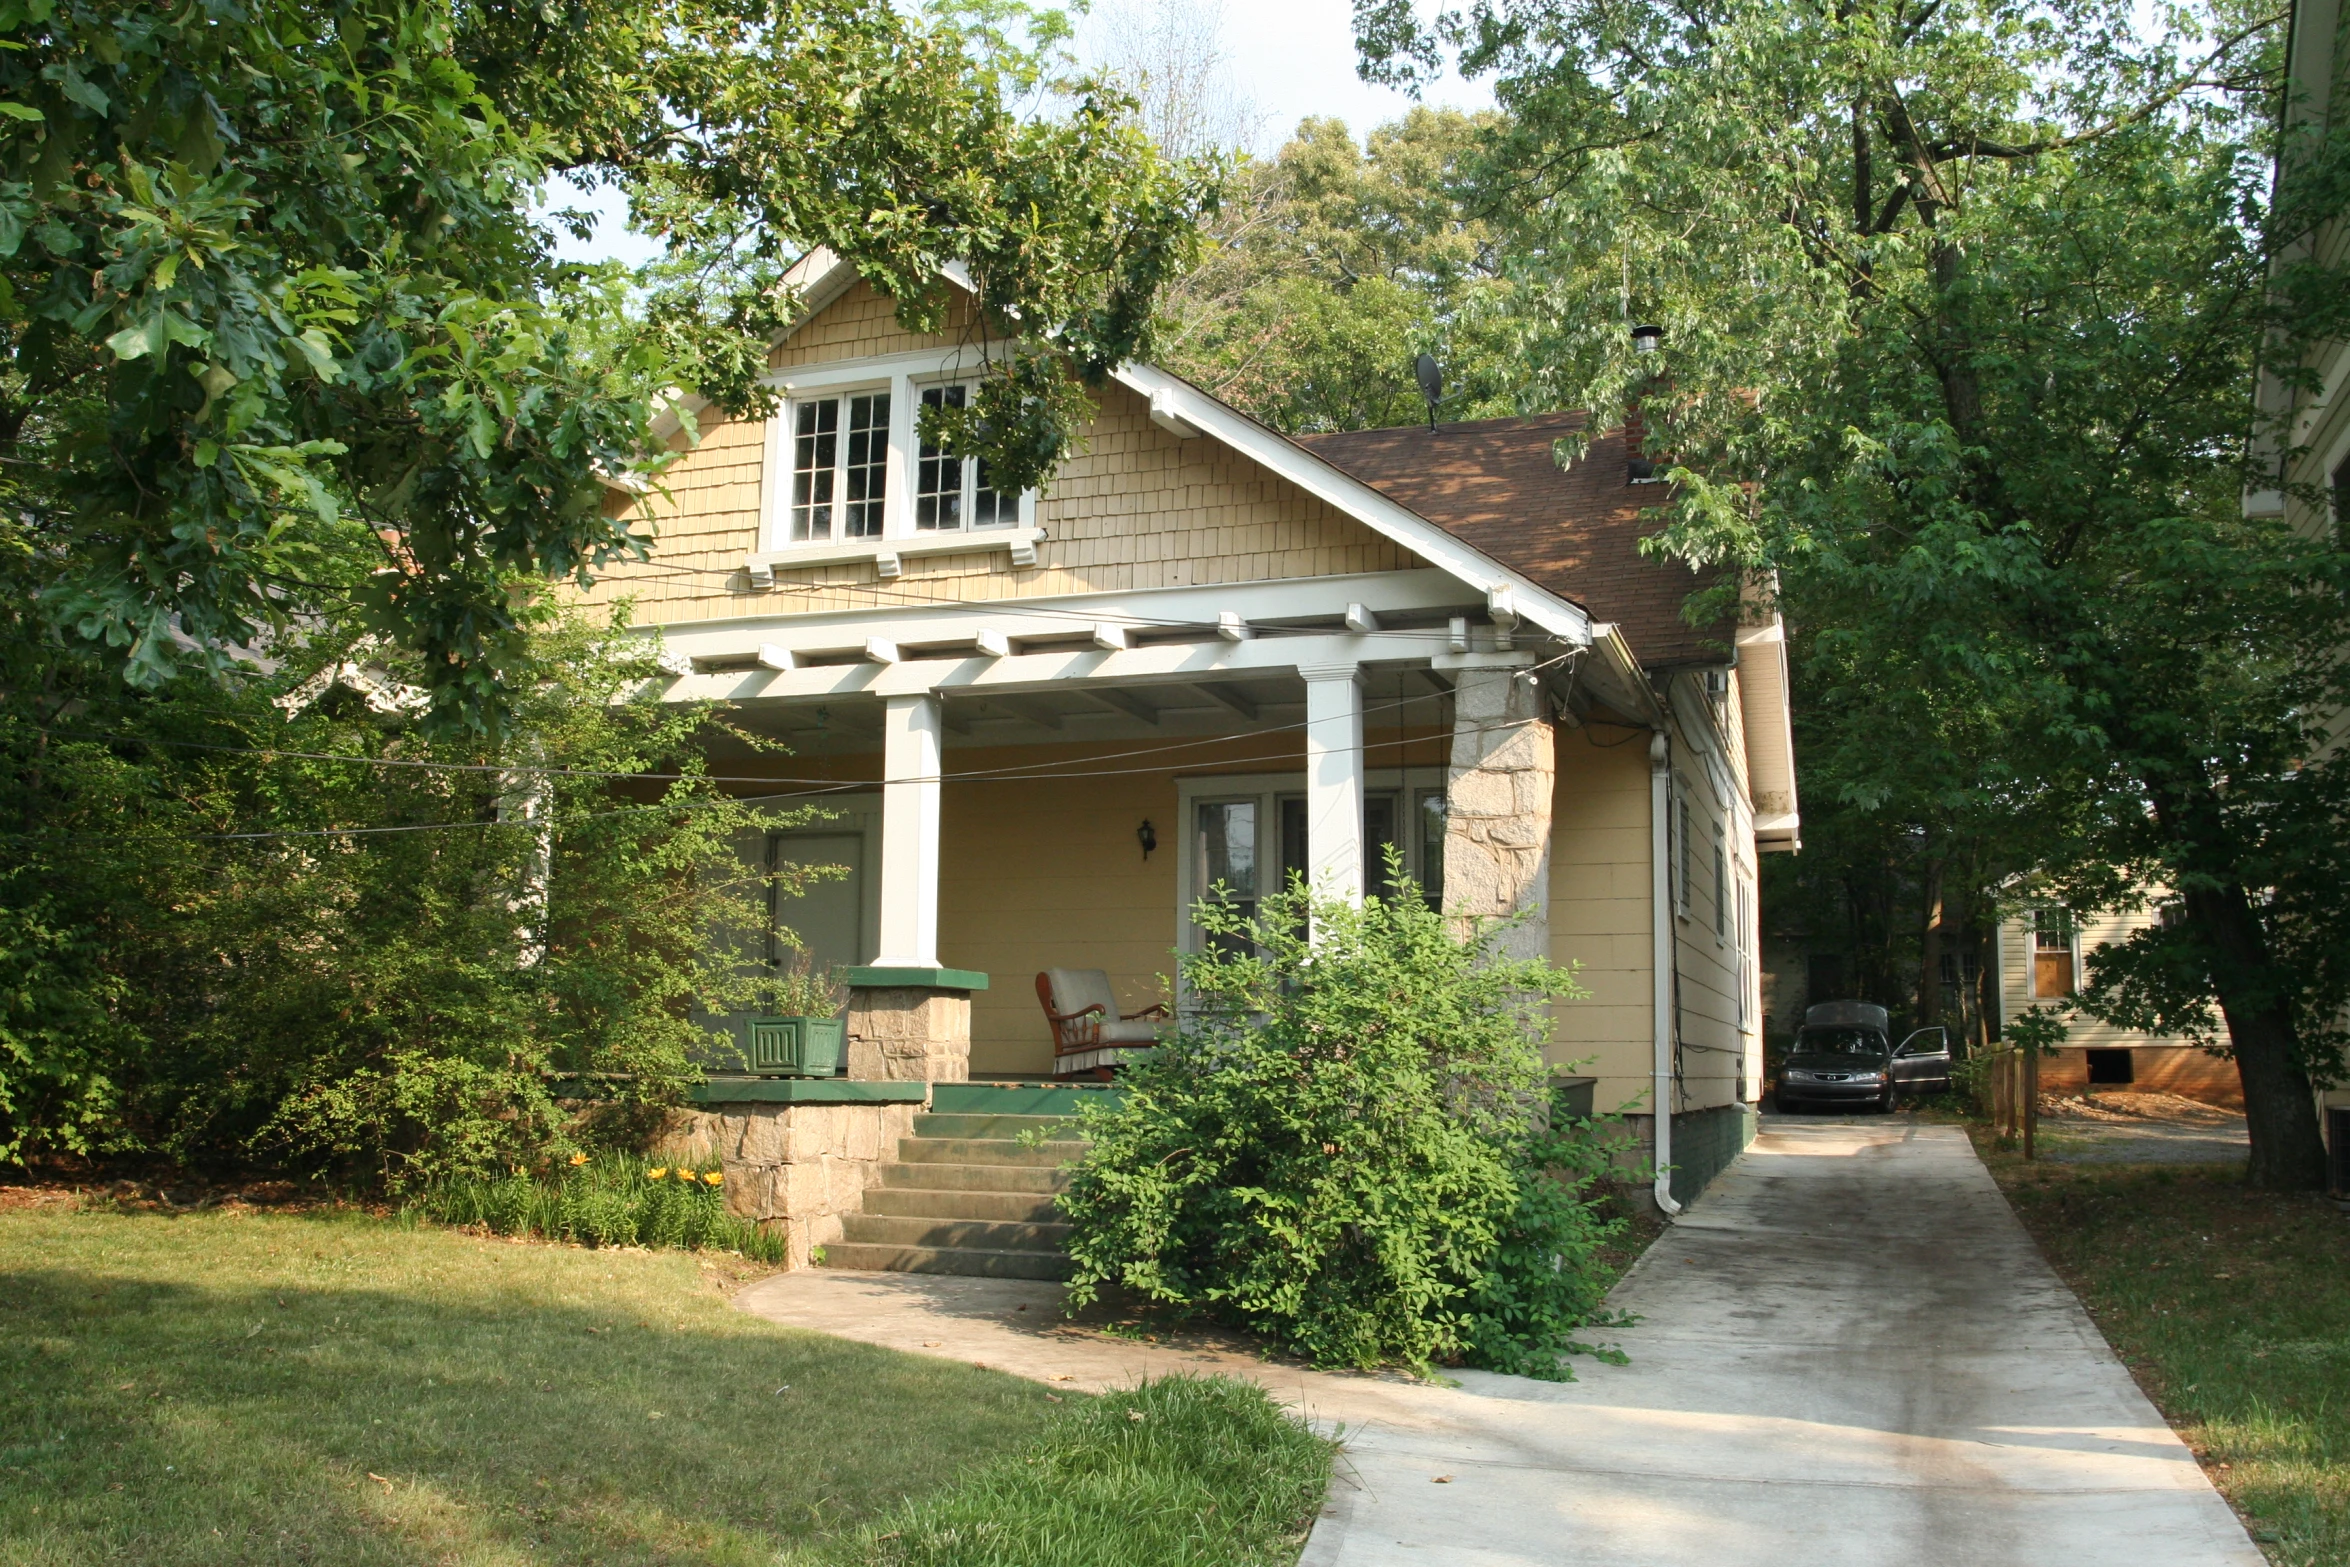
{"x":953,"y":492}
{"x":2052,"y":952}
{"x":840,"y":467}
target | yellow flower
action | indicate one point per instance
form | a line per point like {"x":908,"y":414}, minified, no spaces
{"x":656,"y":1174}
{"x":684,"y":1174}
{"x":714,"y":1177}
{"x":578,"y":1159}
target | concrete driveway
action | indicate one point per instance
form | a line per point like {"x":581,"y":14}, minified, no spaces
{"x":1849,"y":1352}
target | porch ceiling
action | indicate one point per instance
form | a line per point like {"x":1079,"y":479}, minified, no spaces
{"x":1250,"y":702}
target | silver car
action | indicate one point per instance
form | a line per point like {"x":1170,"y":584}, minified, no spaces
{"x":1844,"y":1058}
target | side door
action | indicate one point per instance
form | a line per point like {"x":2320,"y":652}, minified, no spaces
{"x":1922,"y":1064}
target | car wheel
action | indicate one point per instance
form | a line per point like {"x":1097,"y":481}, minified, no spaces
{"x":1892,"y":1100}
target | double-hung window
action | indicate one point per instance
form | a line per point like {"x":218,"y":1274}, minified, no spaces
{"x":2053,"y":971}
{"x":839,"y":467}
{"x":953,"y":492}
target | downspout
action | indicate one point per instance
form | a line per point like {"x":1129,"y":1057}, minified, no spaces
{"x":1661,"y":958}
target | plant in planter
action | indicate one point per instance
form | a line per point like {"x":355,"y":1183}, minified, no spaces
{"x":801,"y":1032}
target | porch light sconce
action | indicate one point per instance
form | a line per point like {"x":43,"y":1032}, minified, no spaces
{"x":1147,"y":836}
{"x":1645,"y":339}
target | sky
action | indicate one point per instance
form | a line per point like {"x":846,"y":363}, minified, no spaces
{"x":1282,"y":59}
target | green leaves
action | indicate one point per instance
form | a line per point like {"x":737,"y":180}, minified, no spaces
{"x":314,"y":221}
{"x":1340,"y":1150}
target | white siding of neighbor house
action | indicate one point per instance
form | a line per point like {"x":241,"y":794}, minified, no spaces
{"x":2015,"y":979}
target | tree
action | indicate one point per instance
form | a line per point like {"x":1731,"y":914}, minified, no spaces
{"x":281,"y":335}
{"x":1962,"y":303}
{"x":1328,"y":271}
{"x":269,"y":921}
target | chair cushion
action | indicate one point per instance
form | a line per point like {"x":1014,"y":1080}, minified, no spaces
{"x":1075,"y":989}
{"x":1141,"y":1031}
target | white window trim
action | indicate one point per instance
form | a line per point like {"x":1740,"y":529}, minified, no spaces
{"x":1722,"y":878}
{"x":904,"y":377}
{"x":1677,"y":827}
{"x":1267,"y":789}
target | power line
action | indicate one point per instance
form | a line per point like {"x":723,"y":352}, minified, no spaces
{"x":524,"y":769}
{"x":823,"y":787}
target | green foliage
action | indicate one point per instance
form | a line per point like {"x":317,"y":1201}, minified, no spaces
{"x":1330,"y":268}
{"x":801,"y":990}
{"x":1543,"y":1283}
{"x":321,"y":937}
{"x":2037,"y":1028}
{"x":607,"y":1200}
{"x":282,"y":336}
{"x":1344,"y":1148}
{"x":1963,"y":305}
{"x":1173,"y":1472}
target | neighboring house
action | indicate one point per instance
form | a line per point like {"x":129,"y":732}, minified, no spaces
{"x":1046,"y":724}
{"x":2042,"y":959}
{"x":2313,"y":474}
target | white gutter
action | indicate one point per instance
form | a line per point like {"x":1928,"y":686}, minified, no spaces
{"x":1660,"y":895}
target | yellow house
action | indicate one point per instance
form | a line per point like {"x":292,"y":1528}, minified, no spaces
{"x":1046,"y":723}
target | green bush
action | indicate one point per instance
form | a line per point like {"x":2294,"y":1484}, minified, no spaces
{"x":1174,"y":1473}
{"x":264,"y":923}
{"x":1350,"y":1147}
{"x":613,"y":1200}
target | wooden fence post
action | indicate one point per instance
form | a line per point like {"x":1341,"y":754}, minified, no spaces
{"x":2031,"y":1099}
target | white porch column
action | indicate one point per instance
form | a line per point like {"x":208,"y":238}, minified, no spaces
{"x":1334,"y":779}
{"x":910,"y":762}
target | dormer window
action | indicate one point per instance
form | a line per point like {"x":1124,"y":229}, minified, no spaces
{"x":953,"y":492}
{"x":840,"y":467}
{"x":848,"y":477}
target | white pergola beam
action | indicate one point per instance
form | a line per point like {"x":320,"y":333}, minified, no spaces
{"x":1234,"y":611}
{"x":1184,"y":663}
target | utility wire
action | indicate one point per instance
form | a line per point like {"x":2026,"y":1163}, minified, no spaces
{"x":823,"y":787}
{"x":524,"y":769}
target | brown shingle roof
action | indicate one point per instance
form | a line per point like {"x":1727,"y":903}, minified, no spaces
{"x":1492,"y":484}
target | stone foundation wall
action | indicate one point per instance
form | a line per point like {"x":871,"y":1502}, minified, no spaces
{"x":795,"y":1168}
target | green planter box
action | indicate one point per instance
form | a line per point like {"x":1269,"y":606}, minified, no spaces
{"x":795,"y":1046}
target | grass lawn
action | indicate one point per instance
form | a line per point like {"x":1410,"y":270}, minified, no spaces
{"x":242,"y":1387}
{"x":2232,"y":1308}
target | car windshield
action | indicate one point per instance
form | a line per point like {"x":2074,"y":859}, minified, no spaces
{"x":1839,"y":1042}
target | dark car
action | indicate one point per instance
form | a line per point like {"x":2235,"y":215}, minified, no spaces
{"x":1844,"y":1058}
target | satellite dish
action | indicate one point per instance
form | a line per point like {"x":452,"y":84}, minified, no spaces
{"x":1431,"y":385}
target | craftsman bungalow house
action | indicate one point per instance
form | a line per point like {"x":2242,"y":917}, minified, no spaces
{"x":1210,"y":653}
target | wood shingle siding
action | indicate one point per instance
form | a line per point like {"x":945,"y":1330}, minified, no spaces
{"x":1133,"y":508}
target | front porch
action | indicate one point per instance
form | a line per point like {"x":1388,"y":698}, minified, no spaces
{"x":1023,"y":787}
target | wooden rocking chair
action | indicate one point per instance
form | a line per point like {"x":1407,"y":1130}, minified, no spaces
{"x":1090,"y":1034}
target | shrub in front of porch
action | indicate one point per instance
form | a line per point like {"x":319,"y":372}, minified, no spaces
{"x":1350,"y":1148}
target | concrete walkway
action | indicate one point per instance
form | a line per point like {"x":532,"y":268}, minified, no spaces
{"x":1849,"y":1352}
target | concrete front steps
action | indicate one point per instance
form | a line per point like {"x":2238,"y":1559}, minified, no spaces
{"x":965,"y":1195}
